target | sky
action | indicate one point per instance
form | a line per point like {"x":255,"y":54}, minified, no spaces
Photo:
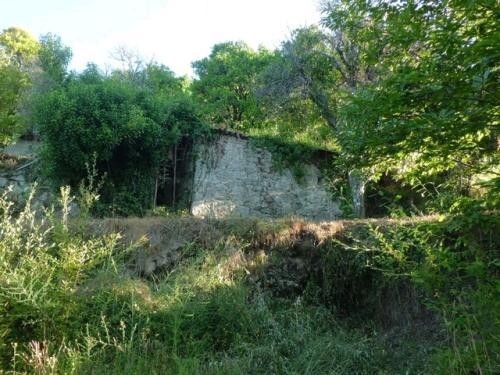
{"x":172,"y":32}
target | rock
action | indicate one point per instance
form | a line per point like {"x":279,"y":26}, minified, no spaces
{"x":157,"y":257}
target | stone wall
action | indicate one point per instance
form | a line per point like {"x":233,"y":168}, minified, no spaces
{"x":233,"y":178}
{"x":18,"y":175}
{"x":16,"y":166}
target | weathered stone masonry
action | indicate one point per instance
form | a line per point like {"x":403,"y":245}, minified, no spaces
{"x":222,"y":177}
{"x":233,"y":178}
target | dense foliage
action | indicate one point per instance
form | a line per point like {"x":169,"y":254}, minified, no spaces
{"x":226,"y":83}
{"x":28,"y":69}
{"x":12,"y":83}
{"x":433,"y":108}
{"x":17,"y":52}
{"x":405,"y":93}
{"x":69,"y":304}
{"x":124,"y":127}
{"x":409,"y":89}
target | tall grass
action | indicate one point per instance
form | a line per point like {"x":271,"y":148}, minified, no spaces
{"x":69,"y":304}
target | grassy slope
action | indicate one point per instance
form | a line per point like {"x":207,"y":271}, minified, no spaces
{"x":234,"y":302}
{"x":226,"y":297}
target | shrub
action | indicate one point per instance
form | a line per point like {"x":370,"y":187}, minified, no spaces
{"x":126,"y":126}
{"x":41,"y":267}
{"x":451,"y":264}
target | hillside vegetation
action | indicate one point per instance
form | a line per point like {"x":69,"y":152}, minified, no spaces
{"x":404,"y":94}
{"x":246,"y":296}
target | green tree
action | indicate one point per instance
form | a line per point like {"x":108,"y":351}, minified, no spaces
{"x":17,"y":56}
{"x":325,"y":64}
{"x":54,"y":57}
{"x":302,"y":73}
{"x":12,"y":83}
{"x":226,"y":83}
{"x":18,"y":46}
{"x":433,"y":113}
{"x":126,"y":127}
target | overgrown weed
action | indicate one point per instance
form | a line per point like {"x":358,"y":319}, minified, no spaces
{"x":68,"y":303}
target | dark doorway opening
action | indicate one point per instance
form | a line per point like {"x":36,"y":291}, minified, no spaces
{"x":172,"y":185}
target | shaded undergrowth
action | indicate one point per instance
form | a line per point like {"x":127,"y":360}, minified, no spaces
{"x":242,"y":296}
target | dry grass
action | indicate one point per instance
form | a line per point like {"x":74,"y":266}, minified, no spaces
{"x":158,"y":231}
{"x":160,"y":240}
{"x":11,"y":162}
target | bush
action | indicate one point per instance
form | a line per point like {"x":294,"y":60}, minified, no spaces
{"x":453,"y":267}
{"x":126,"y":126}
{"x":41,"y":267}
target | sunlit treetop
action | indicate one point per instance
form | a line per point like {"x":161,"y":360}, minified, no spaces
{"x":18,"y":46}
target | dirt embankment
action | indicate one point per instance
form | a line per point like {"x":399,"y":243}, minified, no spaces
{"x":289,"y":258}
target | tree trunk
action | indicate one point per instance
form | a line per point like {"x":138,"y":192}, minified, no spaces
{"x":357,"y":183}
{"x":319,"y":98}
